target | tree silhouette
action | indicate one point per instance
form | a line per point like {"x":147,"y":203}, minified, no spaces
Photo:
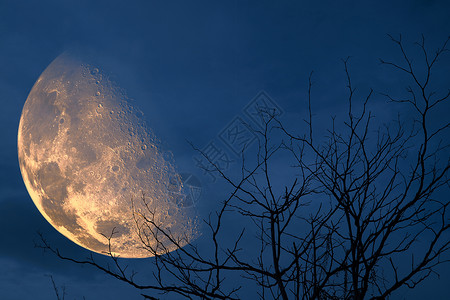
{"x":60,"y":293}
{"x":365,"y":214}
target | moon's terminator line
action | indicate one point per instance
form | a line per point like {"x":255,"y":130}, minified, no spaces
{"x":84,"y":153}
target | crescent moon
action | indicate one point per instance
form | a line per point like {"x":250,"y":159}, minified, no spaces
{"x":84,"y":154}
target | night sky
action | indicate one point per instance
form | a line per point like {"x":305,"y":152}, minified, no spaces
{"x":192,"y":67}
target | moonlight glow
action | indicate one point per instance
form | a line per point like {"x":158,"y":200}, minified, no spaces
{"x":84,"y":153}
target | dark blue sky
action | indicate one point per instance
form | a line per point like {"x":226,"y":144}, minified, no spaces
{"x":191,"y":66}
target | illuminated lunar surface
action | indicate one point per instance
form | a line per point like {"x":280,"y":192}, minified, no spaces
{"x":85,"y":152}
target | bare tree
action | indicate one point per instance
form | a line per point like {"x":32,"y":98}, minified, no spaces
{"x":366,"y":214}
{"x":60,"y":293}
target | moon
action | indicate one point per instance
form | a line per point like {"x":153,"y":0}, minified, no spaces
{"x":87,"y":157}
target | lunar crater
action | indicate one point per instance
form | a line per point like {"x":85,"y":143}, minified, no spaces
{"x":86,"y":157}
